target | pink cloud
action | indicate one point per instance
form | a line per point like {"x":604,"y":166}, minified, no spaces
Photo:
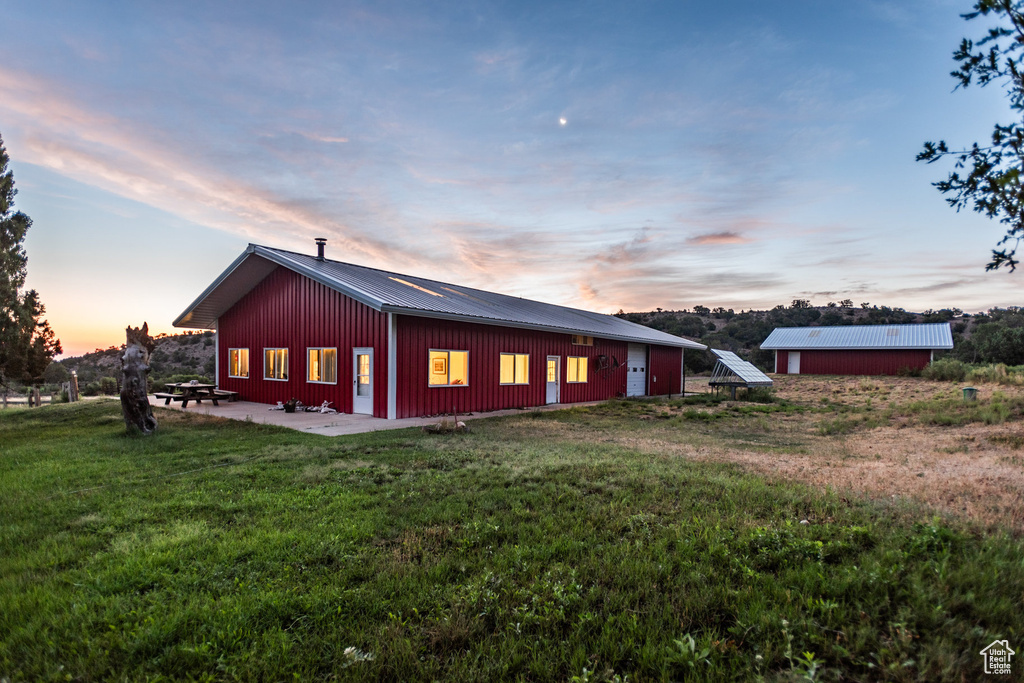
{"x":123,"y":157}
{"x":717,"y":238}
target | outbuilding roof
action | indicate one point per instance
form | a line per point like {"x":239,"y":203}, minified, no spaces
{"x":410,"y":295}
{"x":919,"y":336}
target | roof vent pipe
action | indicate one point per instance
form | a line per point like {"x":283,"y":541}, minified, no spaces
{"x":320,"y":242}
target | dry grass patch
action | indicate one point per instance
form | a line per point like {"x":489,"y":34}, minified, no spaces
{"x":873,"y":436}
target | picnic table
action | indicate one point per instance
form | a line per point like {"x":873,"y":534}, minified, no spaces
{"x":187,"y":391}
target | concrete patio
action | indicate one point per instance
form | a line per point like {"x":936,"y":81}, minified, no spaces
{"x":338,"y":424}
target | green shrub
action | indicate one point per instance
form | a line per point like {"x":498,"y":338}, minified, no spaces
{"x":108,"y":386}
{"x":997,"y":373}
{"x":760,"y":395}
{"x":946,"y":370}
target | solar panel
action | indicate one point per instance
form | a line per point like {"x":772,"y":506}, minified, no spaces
{"x":730,"y":363}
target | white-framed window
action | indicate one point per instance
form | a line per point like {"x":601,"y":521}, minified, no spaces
{"x":514,"y":368}
{"x":448,"y":368}
{"x":275,"y":364}
{"x":582,"y":340}
{"x":322,"y":365}
{"x":238,"y":363}
{"x":576,"y":369}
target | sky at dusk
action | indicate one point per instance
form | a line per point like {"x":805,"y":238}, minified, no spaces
{"x":592,"y":154}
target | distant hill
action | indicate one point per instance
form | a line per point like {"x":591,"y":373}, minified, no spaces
{"x":995,"y":337}
{"x":176,"y":357}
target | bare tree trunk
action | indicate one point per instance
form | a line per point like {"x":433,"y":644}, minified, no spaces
{"x":138,"y":414}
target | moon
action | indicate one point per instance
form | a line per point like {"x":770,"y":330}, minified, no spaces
{"x":562,"y":121}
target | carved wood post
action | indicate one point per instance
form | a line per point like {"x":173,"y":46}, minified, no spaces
{"x":138,"y":414}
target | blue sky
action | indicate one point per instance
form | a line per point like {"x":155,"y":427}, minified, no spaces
{"x":599,"y":155}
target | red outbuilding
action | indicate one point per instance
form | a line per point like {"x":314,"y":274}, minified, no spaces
{"x":856,"y":349}
{"x":292,"y":325}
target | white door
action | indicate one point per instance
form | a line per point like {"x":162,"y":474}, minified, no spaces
{"x":552,"y":378}
{"x":362,"y":381}
{"x":794,"y":363}
{"x":636,"y":370}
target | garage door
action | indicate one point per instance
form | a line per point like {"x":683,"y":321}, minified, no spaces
{"x":636,"y":371}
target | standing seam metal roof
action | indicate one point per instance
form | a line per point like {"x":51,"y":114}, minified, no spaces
{"x":919,"y":336}
{"x":393,"y":292}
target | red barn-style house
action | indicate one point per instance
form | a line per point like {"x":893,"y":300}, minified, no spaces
{"x":856,"y":349}
{"x":390,"y":345}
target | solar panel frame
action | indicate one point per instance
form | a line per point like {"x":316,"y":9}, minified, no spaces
{"x":745,"y":372}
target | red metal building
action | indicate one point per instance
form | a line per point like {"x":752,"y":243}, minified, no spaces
{"x":291,"y":325}
{"x":856,"y":349}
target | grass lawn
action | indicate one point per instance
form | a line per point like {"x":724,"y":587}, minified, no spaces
{"x":559,"y":546}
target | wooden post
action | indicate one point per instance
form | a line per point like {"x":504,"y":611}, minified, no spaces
{"x":138,"y":414}
{"x":73,"y":387}
{"x":38,"y":398}
{"x":682,"y":388}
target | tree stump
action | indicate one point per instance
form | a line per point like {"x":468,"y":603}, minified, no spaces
{"x":138,"y":414}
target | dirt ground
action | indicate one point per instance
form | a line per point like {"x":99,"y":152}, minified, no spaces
{"x":974,"y":470}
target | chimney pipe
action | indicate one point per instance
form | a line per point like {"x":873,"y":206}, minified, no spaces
{"x":320,"y":242}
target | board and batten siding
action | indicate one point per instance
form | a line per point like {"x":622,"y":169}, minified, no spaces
{"x":664,"y":370}
{"x":854,"y":362}
{"x":782,"y":362}
{"x":291,"y":311}
{"x":485,"y":343}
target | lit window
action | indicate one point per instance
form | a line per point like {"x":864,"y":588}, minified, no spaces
{"x":552,"y":370}
{"x":323,"y":366}
{"x":577,"y":369}
{"x":515,"y":368}
{"x":238,"y":363}
{"x":275,"y":364}
{"x":582,"y":340}
{"x":448,"y":369}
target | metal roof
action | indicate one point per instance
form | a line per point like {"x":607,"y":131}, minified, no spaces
{"x":410,"y":295}
{"x":731,"y":369}
{"x":920,"y":336}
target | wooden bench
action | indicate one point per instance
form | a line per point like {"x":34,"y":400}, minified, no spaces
{"x":185,"y":399}
{"x":231,"y":396}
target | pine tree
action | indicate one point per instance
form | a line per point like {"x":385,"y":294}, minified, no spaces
{"x":27,"y":344}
